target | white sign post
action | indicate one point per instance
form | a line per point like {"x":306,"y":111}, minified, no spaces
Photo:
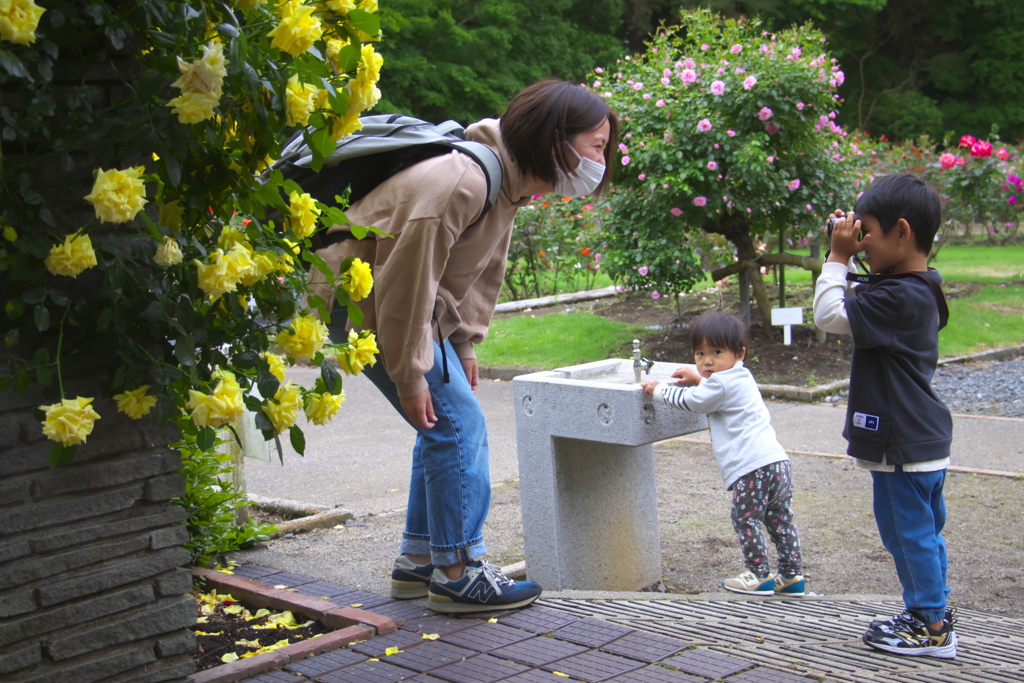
{"x":787,"y":317}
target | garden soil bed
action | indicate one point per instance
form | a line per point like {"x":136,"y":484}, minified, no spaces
{"x":806,"y":362}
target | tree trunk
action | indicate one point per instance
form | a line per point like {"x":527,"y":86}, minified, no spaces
{"x":736,"y":229}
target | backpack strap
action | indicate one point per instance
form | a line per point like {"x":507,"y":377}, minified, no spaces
{"x":940,"y":299}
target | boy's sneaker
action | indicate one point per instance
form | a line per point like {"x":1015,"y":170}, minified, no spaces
{"x":410,"y":580}
{"x":483,"y":588}
{"x":905,"y":634}
{"x":907,"y":615}
{"x":793,"y":587}
{"x":750,"y":584}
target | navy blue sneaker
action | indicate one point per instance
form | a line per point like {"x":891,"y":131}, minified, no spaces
{"x":410,"y":580}
{"x":905,"y":634}
{"x":483,"y":588}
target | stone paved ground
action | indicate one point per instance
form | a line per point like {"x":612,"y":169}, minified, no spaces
{"x":656,"y":640}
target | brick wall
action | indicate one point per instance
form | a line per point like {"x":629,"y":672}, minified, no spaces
{"x":93,"y":585}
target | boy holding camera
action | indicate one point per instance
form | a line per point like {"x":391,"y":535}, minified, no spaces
{"x":895,"y":424}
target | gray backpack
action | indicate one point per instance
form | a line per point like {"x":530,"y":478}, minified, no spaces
{"x":386,"y":144}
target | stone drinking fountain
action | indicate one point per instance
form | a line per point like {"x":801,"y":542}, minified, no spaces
{"x":585,"y":438}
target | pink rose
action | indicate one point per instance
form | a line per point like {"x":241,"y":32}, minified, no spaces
{"x":660,"y":103}
{"x":717,"y":88}
{"x":947,"y":160}
{"x":688,"y":76}
{"x":700,"y":201}
{"x":638,"y":86}
{"x":968,"y":141}
{"x":1002,"y":154}
{"x":731,"y":133}
{"x":704,"y":125}
{"x":749,"y":82}
{"x":642,"y":270}
{"x":771,"y":128}
{"x":1011,"y":200}
{"x":655,"y":295}
{"x":981,"y":149}
{"x":625,"y":161}
{"x":623,"y":148}
{"x":676,"y":212}
{"x":736,"y":49}
{"x":764,"y":114}
{"x":800,"y":106}
{"x":794,"y":185}
{"x":712,"y":166}
{"x":641,"y":176}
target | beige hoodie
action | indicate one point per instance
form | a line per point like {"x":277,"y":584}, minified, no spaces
{"x":441,"y":261}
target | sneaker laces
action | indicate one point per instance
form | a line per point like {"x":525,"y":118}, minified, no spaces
{"x":492,"y":574}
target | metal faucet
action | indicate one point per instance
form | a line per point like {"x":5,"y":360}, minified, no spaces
{"x":639,"y":362}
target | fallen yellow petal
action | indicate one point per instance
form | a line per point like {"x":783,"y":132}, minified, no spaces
{"x":393,"y":650}
{"x":280,"y":585}
{"x":325,"y":598}
{"x":247,"y":643}
{"x":212,"y":633}
{"x":559,"y":673}
{"x":202,"y":620}
{"x":492,"y":620}
{"x":356,"y":604}
{"x":233,"y":609}
{"x":229,"y":657}
{"x":431,"y":636}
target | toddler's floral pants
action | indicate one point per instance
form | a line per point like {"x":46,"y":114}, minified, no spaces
{"x":765,"y":496}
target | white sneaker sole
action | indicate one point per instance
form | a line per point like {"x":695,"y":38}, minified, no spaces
{"x":940,"y":652}
{"x":468,"y":607}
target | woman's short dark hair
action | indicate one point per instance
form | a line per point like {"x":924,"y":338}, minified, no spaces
{"x":543,"y":116}
{"x":718,"y":330}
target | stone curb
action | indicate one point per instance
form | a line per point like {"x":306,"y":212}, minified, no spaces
{"x":792,"y":393}
{"x":350,"y":624}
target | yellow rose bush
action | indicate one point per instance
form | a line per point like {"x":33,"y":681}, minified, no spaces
{"x":151,"y":226}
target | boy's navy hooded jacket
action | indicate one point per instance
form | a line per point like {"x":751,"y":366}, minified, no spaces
{"x":893,"y":410}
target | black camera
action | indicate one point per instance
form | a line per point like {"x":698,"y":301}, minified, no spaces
{"x":830,"y":223}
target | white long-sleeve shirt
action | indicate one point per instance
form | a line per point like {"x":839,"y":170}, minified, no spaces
{"x":742,"y":436}
{"x":830,"y":315}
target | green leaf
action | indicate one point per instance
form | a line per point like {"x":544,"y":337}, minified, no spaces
{"x":267,"y":384}
{"x":206,"y":438}
{"x":173,"y":169}
{"x":364,"y":21}
{"x":298,"y":439}
{"x":264,"y":424}
{"x":355,"y":314}
{"x":348,"y":56}
{"x":185,"y":350}
{"x":36,"y":295}
{"x":103,"y":319}
{"x":247,"y":360}
{"x":331,"y":378}
{"x":61,"y":455}
{"x":42,"y":315}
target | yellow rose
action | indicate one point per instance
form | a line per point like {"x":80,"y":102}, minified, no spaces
{"x":363,"y":94}
{"x":72,"y":257}
{"x":298,"y":29}
{"x":230,"y":236}
{"x":302,"y":214}
{"x":225,"y":270}
{"x":301,"y":100}
{"x":334,"y":46}
{"x":193,"y":107}
{"x":360,"y":352}
{"x":264,"y":262}
{"x":368,"y":6}
{"x":284,"y":261}
{"x":357,"y":280}
{"x":118,"y":195}
{"x":321,"y":408}
{"x":284,"y":409}
{"x":276,"y":363}
{"x":168,"y":253}
{"x":204,"y":75}
{"x":70,"y":421}
{"x":170,"y":214}
{"x":222,"y":407}
{"x":136,"y":403}
{"x":370,"y":63}
{"x":341,"y":7}
{"x":308,"y":337}
{"x":19,"y":20}
{"x":343,"y":126}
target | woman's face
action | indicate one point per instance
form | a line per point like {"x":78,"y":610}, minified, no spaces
{"x":592,"y":143}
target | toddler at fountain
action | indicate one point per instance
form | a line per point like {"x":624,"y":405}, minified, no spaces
{"x":750,"y":459}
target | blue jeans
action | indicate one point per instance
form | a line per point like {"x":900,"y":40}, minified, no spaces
{"x":910,"y":513}
{"x":450,"y":487}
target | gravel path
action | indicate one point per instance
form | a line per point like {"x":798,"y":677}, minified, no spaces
{"x":987,"y":388}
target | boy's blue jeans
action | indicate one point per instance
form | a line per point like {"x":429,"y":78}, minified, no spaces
{"x":910,"y":513}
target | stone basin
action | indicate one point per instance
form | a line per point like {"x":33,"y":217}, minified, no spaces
{"x":584,"y":437}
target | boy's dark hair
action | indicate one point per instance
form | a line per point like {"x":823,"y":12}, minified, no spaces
{"x":546,"y":114}
{"x":901,"y":195}
{"x":719,"y":330}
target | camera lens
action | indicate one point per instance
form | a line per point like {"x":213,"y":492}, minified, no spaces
{"x":830,"y":223}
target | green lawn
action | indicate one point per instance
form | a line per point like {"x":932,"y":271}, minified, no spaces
{"x":552,"y":341}
{"x":992,"y":318}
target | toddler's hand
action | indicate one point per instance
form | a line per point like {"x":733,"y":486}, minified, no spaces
{"x":687,"y":375}
{"x":649,"y":386}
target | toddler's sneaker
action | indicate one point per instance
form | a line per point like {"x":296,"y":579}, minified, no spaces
{"x":410,"y":580}
{"x":750,"y":584}
{"x":793,"y":587}
{"x":905,"y":634}
{"x":483,"y":588}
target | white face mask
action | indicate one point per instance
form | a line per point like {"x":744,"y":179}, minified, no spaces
{"x":582,"y":181}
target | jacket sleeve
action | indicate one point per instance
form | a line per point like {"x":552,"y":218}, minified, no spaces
{"x":407,"y":286}
{"x":830,"y":298}
{"x":706,"y":397}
